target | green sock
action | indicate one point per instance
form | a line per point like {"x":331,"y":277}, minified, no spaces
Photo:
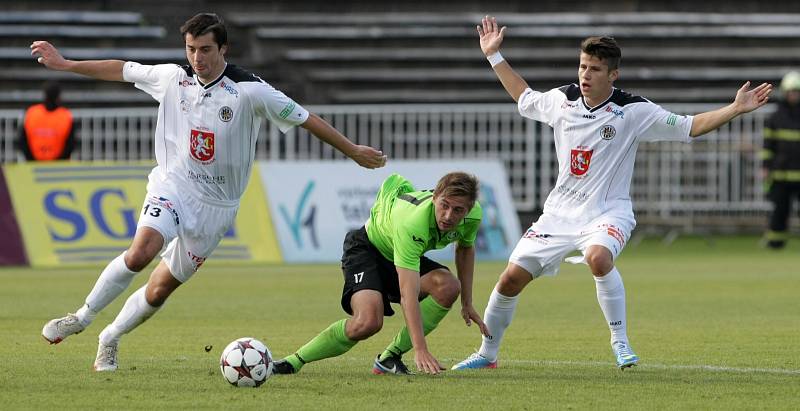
{"x":432,"y":313}
{"x":329,"y":343}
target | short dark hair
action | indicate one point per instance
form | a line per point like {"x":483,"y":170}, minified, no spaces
{"x":604,"y":48}
{"x":203,"y":23}
{"x":52,"y":95}
{"x":458,"y":184}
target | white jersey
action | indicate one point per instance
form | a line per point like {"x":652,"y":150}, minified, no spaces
{"x":206,"y":134}
{"x":596,"y":147}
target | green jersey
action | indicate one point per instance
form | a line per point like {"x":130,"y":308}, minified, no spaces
{"x":402,"y":224}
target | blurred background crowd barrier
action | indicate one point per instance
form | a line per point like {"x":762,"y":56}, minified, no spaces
{"x":410,"y":79}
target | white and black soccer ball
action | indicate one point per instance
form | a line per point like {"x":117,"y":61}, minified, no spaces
{"x":246,"y":362}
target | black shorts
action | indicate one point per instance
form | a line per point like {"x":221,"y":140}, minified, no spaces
{"x":365,"y":268}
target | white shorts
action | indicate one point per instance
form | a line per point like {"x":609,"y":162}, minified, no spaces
{"x":191,"y":228}
{"x":550,"y":239}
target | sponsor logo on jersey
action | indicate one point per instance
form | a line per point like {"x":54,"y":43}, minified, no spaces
{"x":205,"y":178}
{"x":571,"y":192}
{"x":541,"y":238}
{"x":417,"y":239}
{"x":225,"y":114}
{"x":186,"y":83}
{"x":451,"y":236}
{"x":185,"y":106}
{"x":229,"y":89}
{"x":196,"y":260}
{"x":608,"y":132}
{"x":590,"y":116}
{"x":531,"y":233}
{"x":579,"y":161}
{"x":615,"y":232}
{"x":165,"y":204}
{"x":672,"y":119}
{"x":568,"y":104}
{"x":287,"y":110}
{"x":201,"y":146}
{"x":616,"y":112}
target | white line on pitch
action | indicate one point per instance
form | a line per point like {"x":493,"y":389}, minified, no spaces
{"x":699,"y":367}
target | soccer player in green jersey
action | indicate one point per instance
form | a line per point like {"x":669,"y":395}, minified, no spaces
{"x":384,"y":262}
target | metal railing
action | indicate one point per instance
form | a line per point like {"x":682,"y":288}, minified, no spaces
{"x":715,"y":179}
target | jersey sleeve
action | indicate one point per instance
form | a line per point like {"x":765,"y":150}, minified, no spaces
{"x":276,"y":106}
{"x":153,"y":80}
{"x":540,"y":106}
{"x":662,"y":125}
{"x":409,"y":245}
{"x":472,"y":222}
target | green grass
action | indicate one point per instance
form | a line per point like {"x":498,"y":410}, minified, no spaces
{"x":717,"y":326}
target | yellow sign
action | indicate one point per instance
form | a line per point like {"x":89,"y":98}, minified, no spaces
{"x":78,"y":213}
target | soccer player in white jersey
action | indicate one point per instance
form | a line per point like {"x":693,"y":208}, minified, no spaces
{"x":597,"y":129}
{"x":209,"y":115}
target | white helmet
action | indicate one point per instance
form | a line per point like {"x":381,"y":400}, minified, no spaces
{"x":791,"y":81}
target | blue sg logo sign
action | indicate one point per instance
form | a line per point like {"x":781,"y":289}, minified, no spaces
{"x":61,"y":206}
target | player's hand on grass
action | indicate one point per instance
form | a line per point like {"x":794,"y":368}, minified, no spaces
{"x":426,"y":362}
{"x":491,"y":36}
{"x":368,"y":157}
{"x":469,"y":315}
{"x":48,"y":55}
{"x":749,"y":100}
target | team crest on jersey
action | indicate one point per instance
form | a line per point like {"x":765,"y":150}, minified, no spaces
{"x":201,"y":146}
{"x":225,"y":114}
{"x":579,"y":161}
{"x":608,"y":132}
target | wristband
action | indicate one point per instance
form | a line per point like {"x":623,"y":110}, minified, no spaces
{"x":495,"y":59}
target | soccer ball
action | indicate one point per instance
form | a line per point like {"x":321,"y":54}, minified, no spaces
{"x":246,"y":362}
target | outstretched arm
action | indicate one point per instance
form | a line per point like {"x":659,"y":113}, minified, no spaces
{"x":409,"y":299}
{"x":491,"y":37}
{"x":365,"y":156}
{"x":746,"y":101}
{"x":465,"y":266}
{"x":48,"y":55}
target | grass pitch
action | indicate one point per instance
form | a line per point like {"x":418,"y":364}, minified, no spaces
{"x":717,"y":325}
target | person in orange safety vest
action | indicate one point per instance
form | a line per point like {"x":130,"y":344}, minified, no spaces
{"x":47,"y":131}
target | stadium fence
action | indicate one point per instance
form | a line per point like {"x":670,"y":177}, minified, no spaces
{"x":712,"y":184}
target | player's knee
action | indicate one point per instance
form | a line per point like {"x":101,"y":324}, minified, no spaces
{"x":600,"y":263}
{"x":136,"y":259}
{"x":447,"y":291}
{"x":156,"y":294}
{"x":363,"y":327}
{"x":512,"y":281}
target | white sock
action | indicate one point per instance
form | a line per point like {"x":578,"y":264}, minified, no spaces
{"x":114,"y":279}
{"x":497,"y":317}
{"x":611,"y":296}
{"x":135,"y":311}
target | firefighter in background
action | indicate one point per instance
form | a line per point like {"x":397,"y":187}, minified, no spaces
{"x":47,"y":133}
{"x":781,"y":155}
